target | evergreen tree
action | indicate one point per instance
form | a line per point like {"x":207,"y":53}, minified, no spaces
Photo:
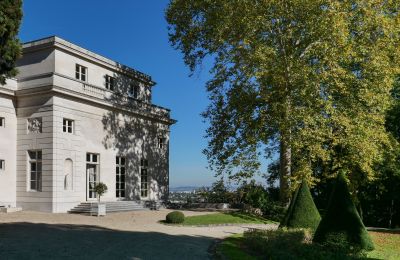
{"x":341,"y":225}
{"x":10,"y":48}
{"x":302,"y":212}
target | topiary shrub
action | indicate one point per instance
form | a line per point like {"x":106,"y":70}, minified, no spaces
{"x":341,"y":227}
{"x":302,"y":212}
{"x":175,"y":217}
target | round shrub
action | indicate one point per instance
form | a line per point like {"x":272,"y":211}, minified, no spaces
{"x":175,"y":217}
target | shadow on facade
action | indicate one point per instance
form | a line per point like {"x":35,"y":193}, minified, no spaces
{"x":60,"y":241}
{"x":133,"y":128}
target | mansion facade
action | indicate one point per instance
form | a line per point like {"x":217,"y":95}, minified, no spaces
{"x":73,"y":118}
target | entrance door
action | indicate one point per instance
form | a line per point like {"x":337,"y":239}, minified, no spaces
{"x":91,"y":180}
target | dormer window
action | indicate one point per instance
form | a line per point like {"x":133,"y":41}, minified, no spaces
{"x":110,"y":82}
{"x":134,"y":91}
{"x":80,"y":72}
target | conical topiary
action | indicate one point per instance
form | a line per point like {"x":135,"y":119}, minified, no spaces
{"x":302,"y":212}
{"x":341,"y":225}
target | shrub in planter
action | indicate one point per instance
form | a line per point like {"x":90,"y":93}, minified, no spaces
{"x":302,"y":212}
{"x":175,"y":217}
{"x":341,"y":227}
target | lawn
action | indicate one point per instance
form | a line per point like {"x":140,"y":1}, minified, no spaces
{"x":225,"y":218}
{"x":386,"y":247}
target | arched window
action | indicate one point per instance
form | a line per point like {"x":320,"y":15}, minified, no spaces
{"x":68,"y":174}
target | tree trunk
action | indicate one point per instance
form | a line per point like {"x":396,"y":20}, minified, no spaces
{"x":285,"y":170}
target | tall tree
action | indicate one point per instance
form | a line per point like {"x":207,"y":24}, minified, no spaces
{"x":10,"y":48}
{"x":309,"y":79}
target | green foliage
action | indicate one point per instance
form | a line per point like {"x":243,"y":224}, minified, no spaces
{"x":312,"y":76}
{"x":291,"y":244}
{"x":218,"y":193}
{"x":10,"y":48}
{"x":296,"y":244}
{"x":341,"y":228}
{"x":253,"y":194}
{"x":175,"y":217}
{"x":100,"y":188}
{"x":302,"y":212}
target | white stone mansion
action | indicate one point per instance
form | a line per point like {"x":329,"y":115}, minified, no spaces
{"x":73,"y":118}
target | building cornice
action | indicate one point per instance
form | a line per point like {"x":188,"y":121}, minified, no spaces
{"x":61,"y":44}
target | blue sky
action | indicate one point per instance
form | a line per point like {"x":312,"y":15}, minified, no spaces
{"x":135,"y":33}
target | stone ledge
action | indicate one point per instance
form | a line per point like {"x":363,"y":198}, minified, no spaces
{"x":9,"y":210}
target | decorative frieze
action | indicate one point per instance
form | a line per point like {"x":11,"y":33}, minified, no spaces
{"x":35,"y":125}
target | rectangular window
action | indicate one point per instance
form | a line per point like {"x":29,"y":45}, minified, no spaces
{"x":133,"y":91}
{"x":161,"y":143}
{"x":35,"y":170}
{"x":68,"y":126}
{"x":120,"y":177}
{"x":110,"y":83}
{"x":80,"y":72}
{"x":144,"y":178}
{"x":2,"y":165}
{"x":2,"y":122}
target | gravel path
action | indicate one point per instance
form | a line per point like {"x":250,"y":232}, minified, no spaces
{"x":127,"y":235}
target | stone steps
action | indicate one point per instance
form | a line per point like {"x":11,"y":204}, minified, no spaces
{"x":111,"y":206}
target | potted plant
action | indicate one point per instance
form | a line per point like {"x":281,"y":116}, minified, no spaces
{"x":100,"y":188}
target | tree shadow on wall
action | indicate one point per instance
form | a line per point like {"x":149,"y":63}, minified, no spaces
{"x":60,"y":241}
{"x":133,"y":128}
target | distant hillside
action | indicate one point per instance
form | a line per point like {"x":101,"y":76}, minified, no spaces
{"x":183,"y":189}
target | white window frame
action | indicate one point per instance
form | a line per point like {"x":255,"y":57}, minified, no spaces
{"x":81,"y":72}
{"x":2,"y":122}
{"x":37,"y":161}
{"x":120,"y":177}
{"x":144,"y":183}
{"x":2,"y":165}
{"x":68,"y":126}
{"x":110,"y":82}
{"x":161,"y":142}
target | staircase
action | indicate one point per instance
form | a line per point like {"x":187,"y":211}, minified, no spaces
{"x":111,"y":206}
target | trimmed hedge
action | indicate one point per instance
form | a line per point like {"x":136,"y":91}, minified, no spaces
{"x":302,"y":212}
{"x":341,"y":227}
{"x":175,"y":217}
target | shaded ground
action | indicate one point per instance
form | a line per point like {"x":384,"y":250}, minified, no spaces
{"x":128,"y":235}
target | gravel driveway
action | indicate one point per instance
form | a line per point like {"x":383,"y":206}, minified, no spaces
{"x":128,"y":235}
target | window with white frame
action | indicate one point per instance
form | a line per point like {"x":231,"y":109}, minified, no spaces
{"x":2,"y":165}
{"x":144,"y":178}
{"x":35,"y":170}
{"x":68,"y":125}
{"x":110,"y":82}
{"x":2,"y":122}
{"x":133,"y":91}
{"x":161,"y":143}
{"x":120,"y":176}
{"x":80,"y":72}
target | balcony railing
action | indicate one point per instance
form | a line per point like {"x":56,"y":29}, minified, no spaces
{"x":115,"y":98}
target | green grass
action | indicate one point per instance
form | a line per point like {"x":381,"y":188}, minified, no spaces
{"x":231,"y":248}
{"x":387,"y":245}
{"x":225,"y":218}
{"x":285,"y":245}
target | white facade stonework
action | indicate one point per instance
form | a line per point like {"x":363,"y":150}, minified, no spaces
{"x":62,"y":134}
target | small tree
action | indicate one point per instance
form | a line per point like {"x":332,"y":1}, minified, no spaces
{"x":341,"y":226}
{"x":100,"y":188}
{"x":302,"y":212}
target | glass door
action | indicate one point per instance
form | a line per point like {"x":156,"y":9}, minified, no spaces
{"x":92,"y":175}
